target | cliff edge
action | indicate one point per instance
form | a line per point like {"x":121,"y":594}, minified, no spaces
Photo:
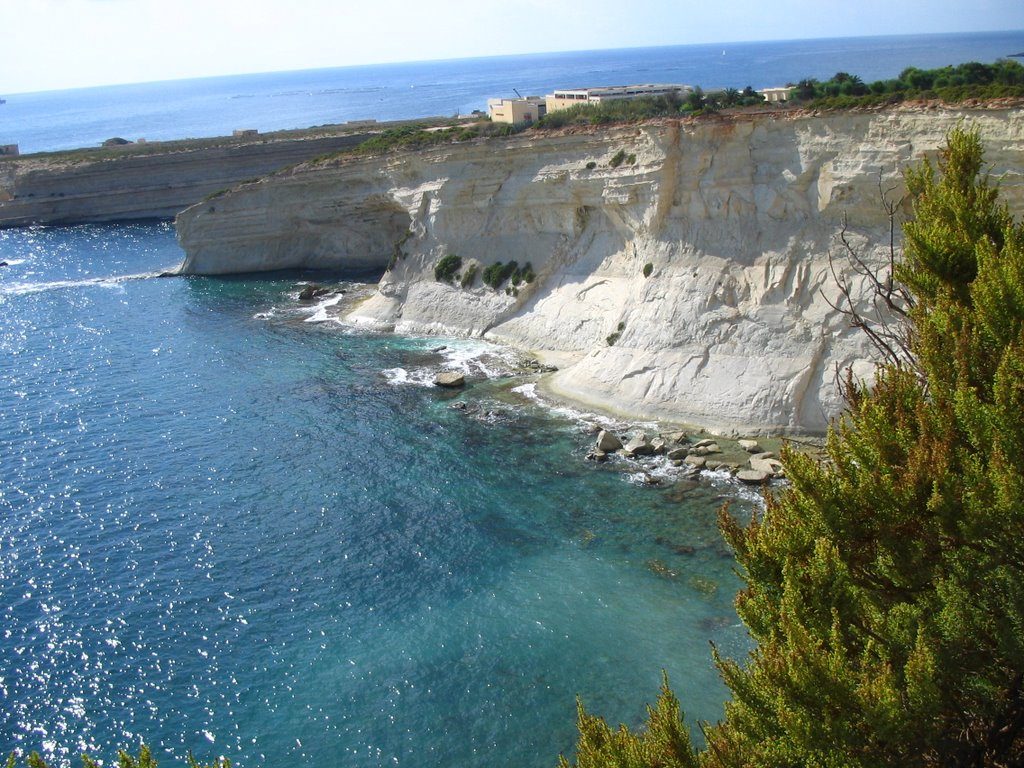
{"x":681,"y":267}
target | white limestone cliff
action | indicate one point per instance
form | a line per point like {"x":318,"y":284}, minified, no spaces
{"x":737,"y":218}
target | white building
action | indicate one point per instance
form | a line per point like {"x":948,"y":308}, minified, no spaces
{"x":566,"y":98}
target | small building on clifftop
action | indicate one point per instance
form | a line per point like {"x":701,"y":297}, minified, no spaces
{"x":523,"y":110}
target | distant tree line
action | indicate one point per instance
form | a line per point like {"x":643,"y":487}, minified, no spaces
{"x":952,"y":84}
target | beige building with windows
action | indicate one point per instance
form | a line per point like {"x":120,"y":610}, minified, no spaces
{"x":566,"y":98}
{"x":773,"y":95}
{"x":527,"y":110}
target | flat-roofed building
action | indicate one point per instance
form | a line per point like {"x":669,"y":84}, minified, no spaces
{"x":565,"y":98}
{"x":9,"y":150}
{"x":775,"y":94}
{"x":525,"y":110}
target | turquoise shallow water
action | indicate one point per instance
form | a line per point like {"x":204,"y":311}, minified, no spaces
{"x":228,"y":530}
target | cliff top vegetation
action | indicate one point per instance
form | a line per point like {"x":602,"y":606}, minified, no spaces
{"x":973,"y":82}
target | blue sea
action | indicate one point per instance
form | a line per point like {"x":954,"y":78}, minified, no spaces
{"x":215,"y":106}
{"x":232,"y":525}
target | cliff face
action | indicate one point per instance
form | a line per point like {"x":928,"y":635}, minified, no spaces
{"x":65,"y":189}
{"x":736,"y":218}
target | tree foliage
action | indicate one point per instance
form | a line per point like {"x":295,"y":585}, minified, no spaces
{"x":144,"y":759}
{"x":885,"y":586}
{"x":665,"y":743}
{"x":952,"y":84}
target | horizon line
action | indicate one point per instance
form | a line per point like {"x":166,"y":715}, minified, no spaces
{"x":258,"y":73}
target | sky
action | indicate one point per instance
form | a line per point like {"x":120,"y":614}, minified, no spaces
{"x":54,"y":44}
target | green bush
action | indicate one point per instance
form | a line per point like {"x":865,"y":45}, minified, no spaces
{"x":611,"y":338}
{"x":498,"y":273}
{"x":648,"y":269}
{"x":591,"y":165}
{"x":447,"y":267}
{"x":523,"y":275}
{"x":469,"y":276}
{"x":618,"y":159}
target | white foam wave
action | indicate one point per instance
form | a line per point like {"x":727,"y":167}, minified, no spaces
{"x":320,"y":314}
{"x":115,"y":281}
{"x":419,"y":377}
{"x":474,"y":357}
{"x":528,"y":390}
{"x":470,"y":357}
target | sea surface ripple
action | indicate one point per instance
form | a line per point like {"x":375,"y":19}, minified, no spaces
{"x":227,"y":530}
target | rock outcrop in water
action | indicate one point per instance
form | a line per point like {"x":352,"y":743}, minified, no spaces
{"x":688,"y":282}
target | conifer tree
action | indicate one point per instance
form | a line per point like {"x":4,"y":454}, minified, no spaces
{"x":885,"y":587}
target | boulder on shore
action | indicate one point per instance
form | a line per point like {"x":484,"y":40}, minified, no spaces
{"x":607,"y":442}
{"x":752,"y":477}
{"x":450,"y":379}
{"x":639,"y":446}
{"x":706,"y":449}
{"x":771,"y":466}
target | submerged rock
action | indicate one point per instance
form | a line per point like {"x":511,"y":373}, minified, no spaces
{"x":313,"y":291}
{"x":659,"y":568}
{"x":750,"y":446}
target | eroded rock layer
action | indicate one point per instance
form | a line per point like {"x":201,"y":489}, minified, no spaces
{"x":682,"y":268}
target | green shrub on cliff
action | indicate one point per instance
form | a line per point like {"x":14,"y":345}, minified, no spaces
{"x":496,"y":274}
{"x":885,"y":588}
{"x":469,"y":276}
{"x":447,"y":267}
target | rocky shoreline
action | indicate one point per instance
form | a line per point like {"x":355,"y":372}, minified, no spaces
{"x":645,"y":448}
